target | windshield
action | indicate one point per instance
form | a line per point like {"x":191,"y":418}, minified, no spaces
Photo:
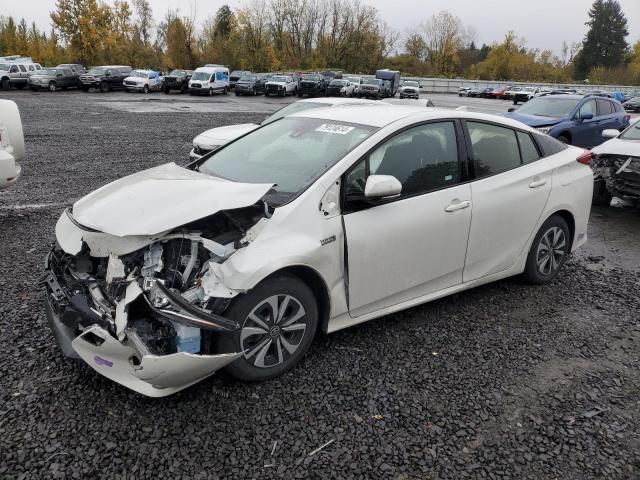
{"x":177,"y":73}
{"x":97,"y":71}
{"x":278,"y":78}
{"x":409,"y":83}
{"x":354,"y":79}
{"x":311,"y":77}
{"x":290,"y":153}
{"x":293,"y":108}
{"x":631,"y":133}
{"x":338,"y":83}
{"x":372,"y":81}
{"x":201,"y":76}
{"x":139,"y":74}
{"x":49,"y":71}
{"x":549,"y":107}
{"x":248,"y":78}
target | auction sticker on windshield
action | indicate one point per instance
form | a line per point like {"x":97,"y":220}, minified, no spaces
{"x":339,"y":129}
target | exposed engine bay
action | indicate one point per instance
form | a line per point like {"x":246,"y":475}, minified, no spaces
{"x":621,"y":174}
{"x":163,"y":299}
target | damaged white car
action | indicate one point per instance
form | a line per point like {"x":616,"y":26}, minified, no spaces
{"x":311,"y":223}
{"x":11,"y":144}
{"x":616,"y":166}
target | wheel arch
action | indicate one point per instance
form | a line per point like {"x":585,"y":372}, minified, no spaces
{"x":312,"y":278}
{"x":566,"y":133}
{"x":568,"y":217}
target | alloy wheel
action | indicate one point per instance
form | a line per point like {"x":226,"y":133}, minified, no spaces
{"x":273,"y":331}
{"x":551,"y":250}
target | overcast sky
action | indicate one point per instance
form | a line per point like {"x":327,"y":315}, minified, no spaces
{"x":542,"y":23}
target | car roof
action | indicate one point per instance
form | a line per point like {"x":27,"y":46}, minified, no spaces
{"x":382,"y":115}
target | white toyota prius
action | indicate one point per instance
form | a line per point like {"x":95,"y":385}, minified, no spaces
{"x":312,"y":223}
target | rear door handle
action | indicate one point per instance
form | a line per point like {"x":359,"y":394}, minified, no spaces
{"x":537,"y":183}
{"x":454,"y":207}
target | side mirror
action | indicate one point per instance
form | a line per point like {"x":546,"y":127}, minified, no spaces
{"x":108,"y":74}
{"x":382,"y":186}
{"x":511,"y":109}
{"x":586,"y":116}
{"x":610,"y":133}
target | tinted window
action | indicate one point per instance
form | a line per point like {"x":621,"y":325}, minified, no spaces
{"x":528,"y":149}
{"x":549,"y":145}
{"x":423,"y":158}
{"x":13,"y":70}
{"x":23,"y":68}
{"x":588,"y":107}
{"x":605,"y":107}
{"x":67,"y":72}
{"x":495,"y":149}
{"x":31,"y":69}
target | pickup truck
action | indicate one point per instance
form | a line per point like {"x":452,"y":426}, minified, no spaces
{"x":313,"y":85}
{"x":371,"y":88}
{"x":105,"y":78}
{"x":16,"y":74}
{"x":177,"y":80}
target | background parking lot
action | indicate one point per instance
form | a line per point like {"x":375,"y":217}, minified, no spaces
{"x":503,"y":381}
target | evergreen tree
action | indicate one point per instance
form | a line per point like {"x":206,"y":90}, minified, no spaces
{"x":605,"y":44}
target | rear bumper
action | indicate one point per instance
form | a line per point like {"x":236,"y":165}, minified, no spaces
{"x":7,"y":181}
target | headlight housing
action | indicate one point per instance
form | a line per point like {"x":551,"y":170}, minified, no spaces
{"x":544,"y":130}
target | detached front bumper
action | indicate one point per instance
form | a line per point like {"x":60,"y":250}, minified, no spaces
{"x":82,"y":333}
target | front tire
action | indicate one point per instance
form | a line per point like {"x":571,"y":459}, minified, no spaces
{"x":103,"y":87}
{"x":145,"y":89}
{"x":548,"y":252}
{"x":564,"y":139}
{"x":52,"y":86}
{"x":278,"y":321}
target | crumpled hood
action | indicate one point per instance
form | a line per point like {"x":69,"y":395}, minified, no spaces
{"x":161,"y":198}
{"x":616,"y":146}
{"x":533,"y":120}
{"x":223,"y":135}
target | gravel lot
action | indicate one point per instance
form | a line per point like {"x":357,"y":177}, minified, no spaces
{"x":504,"y":381}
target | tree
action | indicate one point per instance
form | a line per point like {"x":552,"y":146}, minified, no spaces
{"x":605,"y":44}
{"x":415,"y":46}
{"x":445,"y":36}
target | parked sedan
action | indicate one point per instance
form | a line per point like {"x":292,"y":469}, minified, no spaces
{"x":616,"y":166}
{"x":11,"y":143}
{"x":573,"y":119}
{"x":500,"y":92}
{"x":240,"y":260}
{"x":53,"y":79}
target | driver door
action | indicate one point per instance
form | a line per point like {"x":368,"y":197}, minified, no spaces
{"x":402,"y":248}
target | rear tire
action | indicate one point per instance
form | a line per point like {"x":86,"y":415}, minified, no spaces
{"x":103,"y":87}
{"x":274,"y":341}
{"x":548,"y":252}
{"x":52,"y":86}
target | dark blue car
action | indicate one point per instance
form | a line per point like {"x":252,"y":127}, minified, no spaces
{"x":574,"y":119}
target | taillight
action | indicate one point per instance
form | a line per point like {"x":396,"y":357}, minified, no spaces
{"x":585,"y":157}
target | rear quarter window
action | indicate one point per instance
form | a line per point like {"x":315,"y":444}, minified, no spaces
{"x":548,"y":145}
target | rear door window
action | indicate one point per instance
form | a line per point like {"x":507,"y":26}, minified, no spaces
{"x":23,"y":68}
{"x":528,"y":149}
{"x":605,"y":107}
{"x":495,"y":149}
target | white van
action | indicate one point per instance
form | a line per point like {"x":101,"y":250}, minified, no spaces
{"x":209,"y":80}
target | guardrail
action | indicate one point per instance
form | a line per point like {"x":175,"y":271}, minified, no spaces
{"x":443,"y":85}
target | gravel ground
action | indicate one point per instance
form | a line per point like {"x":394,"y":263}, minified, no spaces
{"x":504,"y":381}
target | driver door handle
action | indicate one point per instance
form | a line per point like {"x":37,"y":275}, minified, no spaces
{"x":537,"y":183}
{"x":454,"y":207}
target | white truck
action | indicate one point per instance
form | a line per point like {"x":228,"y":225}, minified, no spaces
{"x":15,"y":71}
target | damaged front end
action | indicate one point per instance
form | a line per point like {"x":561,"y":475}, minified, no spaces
{"x":146,"y":311}
{"x":620,"y":174}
